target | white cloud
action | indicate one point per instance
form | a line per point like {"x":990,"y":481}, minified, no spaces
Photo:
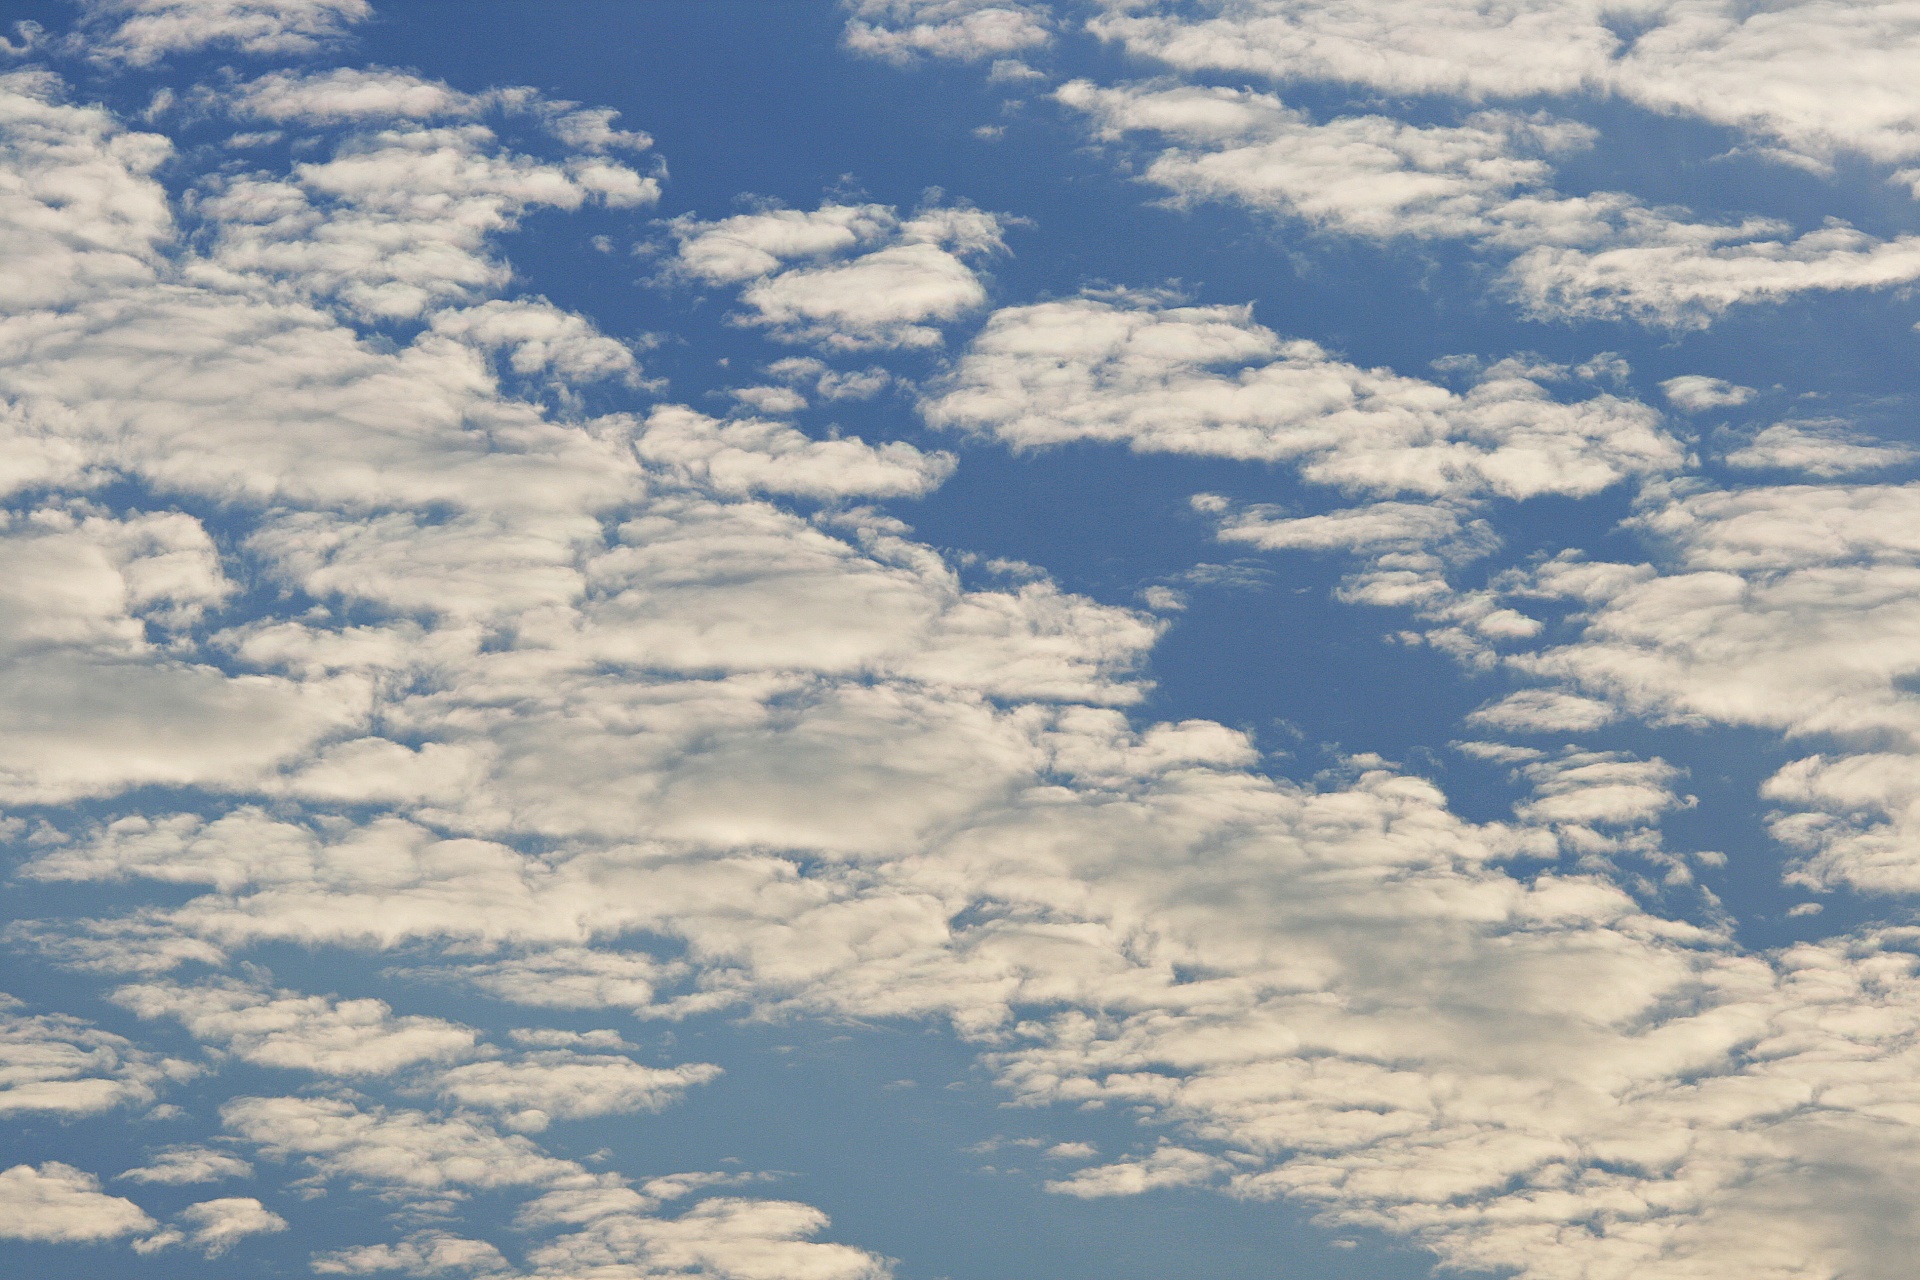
{"x":63,"y":1066}
{"x":902,"y":30}
{"x":1603,"y":255}
{"x":808,"y":764}
{"x":403,"y":1149}
{"x":426,"y":1253}
{"x":57,"y":1202}
{"x":1813,"y":76}
{"x":1166,"y":1166}
{"x":1210,"y":381}
{"x":536,"y":1088}
{"x":1694,"y":392}
{"x":1544,"y":711}
{"x":142,"y":32}
{"x":309,"y":1033}
{"x":177,"y":1166}
{"x":1817,"y":448}
{"x":802,"y":287}
{"x":771,"y":457}
{"x":213,"y":1226}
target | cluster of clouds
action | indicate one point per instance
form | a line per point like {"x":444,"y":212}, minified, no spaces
{"x":537,"y":687}
{"x":1807,"y":81}
{"x":845,"y":277}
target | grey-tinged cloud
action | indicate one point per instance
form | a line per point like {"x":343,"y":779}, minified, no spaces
{"x":845,"y":277}
{"x":185,"y":1165}
{"x":758,"y":456}
{"x":1544,"y":711}
{"x":277,"y":1028}
{"x":425,"y":1253}
{"x":1694,"y":392}
{"x":1211,"y":381}
{"x":1810,"y":76}
{"x":142,"y":32}
{"x":902,"y":31}
{"x":61,"y":1204}
{"x":1487,"y":182}
{"x":533,"y":1089}
{"x":61,"y":1065}
{"x":214,"y":1226}
{"x":1824,"y":449}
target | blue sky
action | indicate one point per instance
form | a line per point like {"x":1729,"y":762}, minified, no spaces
{"x":959,"y":638}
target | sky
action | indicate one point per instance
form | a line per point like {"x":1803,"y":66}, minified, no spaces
{"x":960,"y":639}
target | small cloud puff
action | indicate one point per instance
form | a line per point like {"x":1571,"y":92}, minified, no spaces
{"x":1694,"y":392}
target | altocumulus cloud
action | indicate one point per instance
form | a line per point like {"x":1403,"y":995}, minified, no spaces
{"x":336,"y":616}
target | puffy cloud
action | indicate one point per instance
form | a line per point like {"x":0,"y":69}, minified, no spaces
{"x":177,"y":1166}
{"x":803,"y":288}
{"x":1816,"y":448}
{"x":770,"y":457}
{"x":1601,"y":255}
{"x":213,"y":1226}
{"x":403,"y":1149}
{"x":57,"y":1202}
{"x":61,"y":1065}
{"x":1813,"y":75}
{"x":1211,"y":381}
{"x":1166,"y":1166}
{"x":308,"y":1033}
{"x":538,"y":337}
{"x":426,"y":1253}
{"x":142,"y":32}
{"x":562,"y":1084}
{"x":1694,"y":392}
{"x":1544,"y":711}
{"x":723,"y":1235}
{"x":815,"y":772}
{"x":902,"y":30}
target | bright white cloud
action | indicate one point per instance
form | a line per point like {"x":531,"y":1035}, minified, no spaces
{"x":177,"y":1166}
{"x":1817,"y":448}
{"x":61,"y":1065}
{"x":1694,"y":392}
{"x":845,"y":277}
{"x":1211,"y":381}
{"x":142,"y":32}
{"x":214,"y":1226}
{"x":1815,"y":76}
{"x":57,"y":1202}
{"x":308,"y":1033}
{"x":1602,"y":255}
{"x":535,"y":1088}
{"x":903,"y":30}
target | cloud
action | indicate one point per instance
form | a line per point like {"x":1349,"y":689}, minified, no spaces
{"x":142,"y":32}
{"x":1693,"y":392}
{"x":535,"y":1088}
{"x":178,"y":1166}
{"x":61,"y":1065}
{"x":1814,"y":77}
{"x":770,"y":457}
{"x":1816,"y":448}
{"x":801,"y":287}
{"x":901,"y":31}
{"x":1210,"y":381}
{"x":403,"y":1149}
{"x":1167,"y":1166}
{"x":59,"y":1203}
{"x":672,"y":747}
{"x":1604,"y":255}
{"x":426,"y":1253}
{"x":1544,"y":711}
{"x":311,"y":1033}
{"x":213,"y":1226}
